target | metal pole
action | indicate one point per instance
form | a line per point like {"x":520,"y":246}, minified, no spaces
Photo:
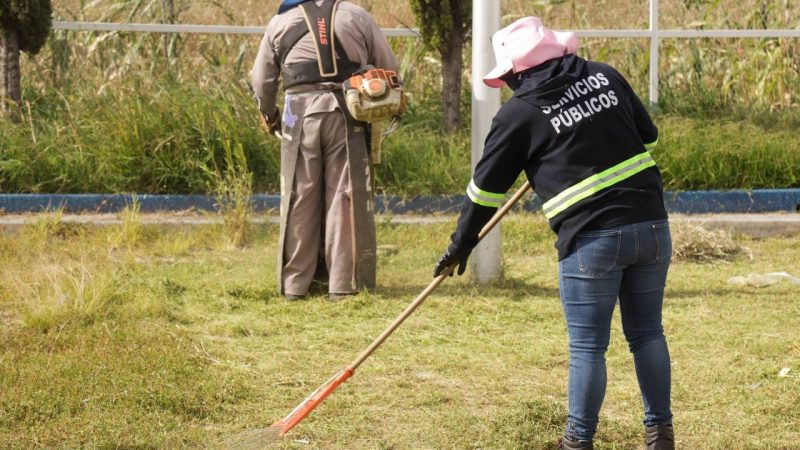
{"x":485,"y":264}
{"x":654,"y":38}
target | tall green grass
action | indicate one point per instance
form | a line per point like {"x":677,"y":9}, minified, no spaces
{"x":726,"y":154}
{"x":147,"y":113}
{"x":235,"y":194}
{"x":143,"y":136}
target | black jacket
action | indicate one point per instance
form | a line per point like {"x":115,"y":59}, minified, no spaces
{"x":581,"y":135}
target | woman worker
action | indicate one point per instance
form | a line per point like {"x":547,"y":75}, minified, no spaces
{"x":582,"y":137}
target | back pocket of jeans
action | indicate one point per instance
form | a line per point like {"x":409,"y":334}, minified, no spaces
{"x":598,"y":251}
{"x":663,"y":239}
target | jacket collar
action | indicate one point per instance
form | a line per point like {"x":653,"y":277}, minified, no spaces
{"x":549,"y":79}
{"x":289,"y":4}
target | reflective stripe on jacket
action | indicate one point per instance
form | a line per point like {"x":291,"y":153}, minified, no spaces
{"x":583,"y":139}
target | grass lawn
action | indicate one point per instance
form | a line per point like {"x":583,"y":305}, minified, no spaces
{"x":136,"y":336}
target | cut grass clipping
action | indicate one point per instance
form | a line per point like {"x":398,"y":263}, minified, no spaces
{"x":692,"y":242}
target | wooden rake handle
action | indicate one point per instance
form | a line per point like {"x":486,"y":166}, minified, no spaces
{"x":318,"y":396}
{"x":436,"y":281}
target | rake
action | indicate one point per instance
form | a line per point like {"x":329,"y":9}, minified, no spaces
{"x":260,"y":437}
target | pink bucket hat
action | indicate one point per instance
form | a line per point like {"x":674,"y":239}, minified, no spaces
{"x":524,"y":44}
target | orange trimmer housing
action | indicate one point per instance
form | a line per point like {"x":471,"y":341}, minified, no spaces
{"x":374,"y":94}
{"x":373,"y":83}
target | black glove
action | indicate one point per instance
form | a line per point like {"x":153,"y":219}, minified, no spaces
{"x":272,"y":125}
{"x":449,"y":259}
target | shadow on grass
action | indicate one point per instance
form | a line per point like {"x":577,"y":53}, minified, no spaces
{"x":532,"y":425}
{"x":514,"y":289}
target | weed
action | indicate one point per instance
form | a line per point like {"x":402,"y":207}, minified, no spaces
{"x":131,"y":230}
{"x":46,"y":226}
{"x":56,"y":296}
{"x":234,"y":188}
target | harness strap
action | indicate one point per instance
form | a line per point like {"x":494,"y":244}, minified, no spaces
{"x":291,"y":38}
{"x":320,"y":19}
{"x":332,"y":64}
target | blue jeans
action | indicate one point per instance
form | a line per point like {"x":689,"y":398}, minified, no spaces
{"x":629,"y":262}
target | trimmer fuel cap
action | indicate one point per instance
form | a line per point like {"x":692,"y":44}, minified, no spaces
{"x":374,"y":87}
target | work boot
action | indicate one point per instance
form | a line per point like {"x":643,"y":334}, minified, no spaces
{"x":566,"y":443}
{"x":335,"y":296}
{"x":659,"y":437}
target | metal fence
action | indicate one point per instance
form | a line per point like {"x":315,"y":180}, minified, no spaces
{"x":488,"y":262}
{"x":654,"y":34}
{"x":196,"y":29}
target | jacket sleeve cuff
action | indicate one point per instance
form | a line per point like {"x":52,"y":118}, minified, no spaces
{"x":472,"y":219}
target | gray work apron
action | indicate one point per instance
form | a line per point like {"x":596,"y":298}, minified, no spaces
{"x":361,"y":195}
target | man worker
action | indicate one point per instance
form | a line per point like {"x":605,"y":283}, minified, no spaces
{"x":582,"y":137}
{"x":312,"y":46}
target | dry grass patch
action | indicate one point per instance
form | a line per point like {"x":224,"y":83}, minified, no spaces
{"x":55,"y":295}
{"x":692,"y":242}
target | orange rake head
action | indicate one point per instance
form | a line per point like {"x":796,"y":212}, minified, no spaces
{"x":257,"y":439}
{"x":311,"y":402}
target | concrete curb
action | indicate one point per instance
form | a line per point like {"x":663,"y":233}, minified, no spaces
{"x":689,"y":202}
{"x":757,"y":225}
{"x":757,"y":201}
